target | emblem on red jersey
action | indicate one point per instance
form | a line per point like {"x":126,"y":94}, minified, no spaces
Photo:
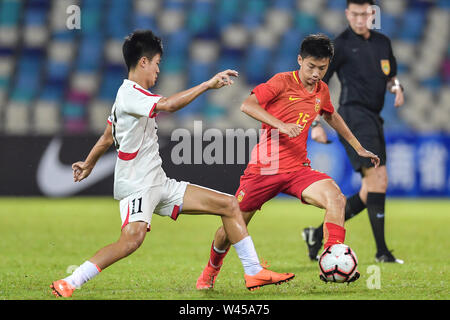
{"x":240,"y":195}
{"x":317,"y":106}
{"x":386,"y":67}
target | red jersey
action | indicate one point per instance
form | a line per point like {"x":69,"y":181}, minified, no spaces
{"x":285,"y":97}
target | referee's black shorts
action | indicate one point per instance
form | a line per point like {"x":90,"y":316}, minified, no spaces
{"x":368,"y":129}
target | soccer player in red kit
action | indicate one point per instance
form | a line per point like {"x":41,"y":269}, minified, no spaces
{"x":286,"y":105}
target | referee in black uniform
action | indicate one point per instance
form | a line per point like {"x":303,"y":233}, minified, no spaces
{"x":366,"y":67}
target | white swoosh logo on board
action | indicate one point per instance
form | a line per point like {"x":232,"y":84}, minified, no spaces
{"x":55,"y":179}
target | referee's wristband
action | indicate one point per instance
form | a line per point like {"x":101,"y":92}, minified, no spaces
{"x":397,"y":85}
{"x":315,"y":123}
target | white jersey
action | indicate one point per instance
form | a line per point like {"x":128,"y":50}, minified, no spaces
{"x":138,"y":164}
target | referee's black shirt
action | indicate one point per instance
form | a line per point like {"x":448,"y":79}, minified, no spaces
{"x":364,"y":68}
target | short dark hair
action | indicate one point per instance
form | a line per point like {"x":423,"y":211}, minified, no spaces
{"x":371,"y":2}
{"x":317,"y":46}
{"x":138,"y":44}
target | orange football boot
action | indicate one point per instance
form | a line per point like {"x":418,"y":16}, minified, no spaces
{"x":62,"y":288}
{"x":207,"y":278}
{"x":266,"y":277}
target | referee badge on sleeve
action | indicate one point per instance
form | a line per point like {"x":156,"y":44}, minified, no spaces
{"x":386,"y":67}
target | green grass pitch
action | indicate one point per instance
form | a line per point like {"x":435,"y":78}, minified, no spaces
{"x":42,"y":238}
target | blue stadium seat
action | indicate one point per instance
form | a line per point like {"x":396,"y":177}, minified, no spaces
{"x":434,"y":83}
{"x":57,"y":71}
{"x":198,"y":72}
{"x":90,"y":53}
{"x":256,"y":6}
{"x":256,"y":66}
{"x":291,"y":40}
{"x":252,"y":20}
{"x":284,"y":62}
{"x":4,"y":82}
{"x":118,"y":19}
{"x":200,"y":18}
{"x":141,"y":21}
{"x":112,"y":80}
{"x":174,"y":4}
{"x":173,"y":63}
{"x":413,"y":25}
{"x":228,"y":12}
{"x":229,"y":59}
{"x":28,"y":75}
{"x":337,"y":4}
{"x":177,"y":43}
{"x":93,"y":5}
{"x":444,"y":4}
{"x":10,"y":12}
{"x":35,"y":16}
{"x":306,"y":23}
{"x":91,"y":20}
{"x":389,"y":25}
{"x":284,"y":4}
{"x":52,"y":91}
{"x":73,"y":110}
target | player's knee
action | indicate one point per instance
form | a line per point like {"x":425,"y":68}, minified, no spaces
{"x":341,"y":201}
{"x":133,"y":240}
{"x":231,"y":207}
{"x":337,"y":201}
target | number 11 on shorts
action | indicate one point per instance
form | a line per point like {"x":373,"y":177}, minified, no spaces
{"x":133,"y":207}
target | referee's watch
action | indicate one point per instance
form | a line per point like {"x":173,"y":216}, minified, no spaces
{"x":315,"y":123}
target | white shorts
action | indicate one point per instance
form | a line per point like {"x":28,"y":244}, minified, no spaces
{"x":164,"y":200}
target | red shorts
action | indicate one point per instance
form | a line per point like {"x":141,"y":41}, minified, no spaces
{"x":255,"y":189}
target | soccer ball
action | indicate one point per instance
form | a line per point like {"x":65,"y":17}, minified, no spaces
{"x":338,"y":264}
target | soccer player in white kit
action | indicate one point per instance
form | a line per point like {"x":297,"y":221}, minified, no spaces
{"x":141,"y":185}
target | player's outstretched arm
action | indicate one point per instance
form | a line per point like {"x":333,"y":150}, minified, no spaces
{"x":338,"y":124}
{"x":181,"y":99}
{"x":82,"y":169}
{"x":251,"y":107}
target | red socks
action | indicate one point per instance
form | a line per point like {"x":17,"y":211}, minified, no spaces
{"x":216,"y":258}
{"x":336,"y":234}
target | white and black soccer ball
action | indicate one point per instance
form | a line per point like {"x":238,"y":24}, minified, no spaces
{"x":338,"y":263}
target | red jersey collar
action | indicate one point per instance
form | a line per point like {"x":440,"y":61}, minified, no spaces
{"x":302,"y":87}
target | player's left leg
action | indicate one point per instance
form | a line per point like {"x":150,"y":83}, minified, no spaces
{"x":314,"y":236}
{"x":327,"y":195}
{"x":131,"y":237}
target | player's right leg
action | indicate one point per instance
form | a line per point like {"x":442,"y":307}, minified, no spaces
{"x":131,"y":237}
{"x":199,"y":200}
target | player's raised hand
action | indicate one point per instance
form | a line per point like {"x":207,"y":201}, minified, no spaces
{"x":81,"y":170}
{"x":291,"y":129}
{"x":373,"y":157}
{"x":222,"y":79}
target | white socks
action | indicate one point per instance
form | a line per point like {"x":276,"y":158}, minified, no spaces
{"x":82,"y":274}
{"x":247,"y":253}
